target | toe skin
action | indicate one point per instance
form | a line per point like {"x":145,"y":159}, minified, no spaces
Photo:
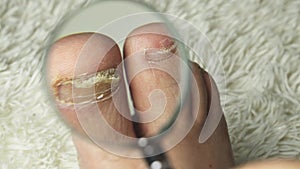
{"x":76,"y":58}
{"x":151,"y":87}
{"x":216,"y":151}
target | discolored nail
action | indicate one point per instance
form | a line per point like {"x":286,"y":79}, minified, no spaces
{"x":167,"y":49}
{"x":86,"y":88}
{"x":168,"y":45}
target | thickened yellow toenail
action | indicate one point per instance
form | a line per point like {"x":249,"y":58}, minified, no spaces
{"x":85,"y":89}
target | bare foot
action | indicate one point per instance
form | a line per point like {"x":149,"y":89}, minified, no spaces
{"x":64,"y":60}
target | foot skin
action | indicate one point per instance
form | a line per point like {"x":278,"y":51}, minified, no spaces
{"x":64,"y":60}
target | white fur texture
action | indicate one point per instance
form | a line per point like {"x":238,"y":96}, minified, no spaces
{"x":258,"y":39}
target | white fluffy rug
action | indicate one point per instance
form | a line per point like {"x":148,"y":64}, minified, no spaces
{"x":259,"y":40}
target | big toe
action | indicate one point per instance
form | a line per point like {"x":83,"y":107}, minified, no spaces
{"x":83,"y":76}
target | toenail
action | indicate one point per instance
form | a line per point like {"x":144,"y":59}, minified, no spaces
{"x":86,"y":88}
{"x":167,"y":49}
{"x":168,"y":45}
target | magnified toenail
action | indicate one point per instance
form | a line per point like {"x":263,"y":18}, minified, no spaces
{"x":167,"y":49}
{"x":85,"y":89}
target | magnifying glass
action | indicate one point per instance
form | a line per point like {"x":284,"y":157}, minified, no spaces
{"x":93,"y":85}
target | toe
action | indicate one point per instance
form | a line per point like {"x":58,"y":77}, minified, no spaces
{"x":153,"y":39}
{"x":154,"y":91}
{"x":82,"y":75}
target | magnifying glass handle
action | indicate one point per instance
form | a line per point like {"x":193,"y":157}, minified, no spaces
{"x":148,"y":148}
{"x":158,"y":162}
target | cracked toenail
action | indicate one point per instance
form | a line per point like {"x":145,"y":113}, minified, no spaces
{"x":86,"y":88}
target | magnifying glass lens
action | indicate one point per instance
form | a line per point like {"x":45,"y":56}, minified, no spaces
{"x":118,"y":71}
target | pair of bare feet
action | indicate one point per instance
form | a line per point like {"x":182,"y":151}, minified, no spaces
{"x":63,"y":59}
